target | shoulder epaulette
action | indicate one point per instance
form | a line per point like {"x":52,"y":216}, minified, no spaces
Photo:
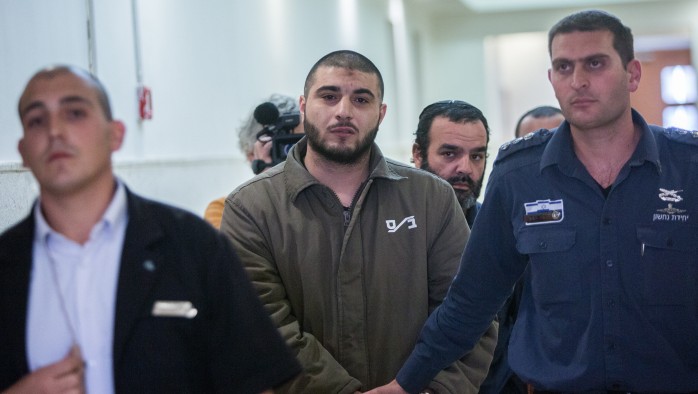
{"x":531,"y":139}
{"x":677,"y":134}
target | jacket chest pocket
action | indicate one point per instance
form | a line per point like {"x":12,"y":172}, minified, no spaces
{"x":555,"y":273}
{"x":669,"y":262}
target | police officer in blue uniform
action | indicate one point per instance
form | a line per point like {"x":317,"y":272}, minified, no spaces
{"x":601,"y":219}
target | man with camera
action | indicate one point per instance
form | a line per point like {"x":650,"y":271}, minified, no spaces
{"x":265,"y":138}
{"x":279,"y":133}
{"x":341,"y":242}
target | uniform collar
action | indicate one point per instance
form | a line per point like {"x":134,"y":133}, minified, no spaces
{"x":560,"y":151}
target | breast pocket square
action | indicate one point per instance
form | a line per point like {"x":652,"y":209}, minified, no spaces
{"x":183,"y":309}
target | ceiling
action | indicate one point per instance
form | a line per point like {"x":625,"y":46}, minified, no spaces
{"x":643,"y":43}
{"x":483,"y":6}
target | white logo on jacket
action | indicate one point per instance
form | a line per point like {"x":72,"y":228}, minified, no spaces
{"x":670,"y":195}
{"x":670,"y":213}
{"x":393,"y":228}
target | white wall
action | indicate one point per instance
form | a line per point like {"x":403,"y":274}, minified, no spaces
{"x":468,"y":49}
{"x":210,"y":62}
{"x":30,"y":37}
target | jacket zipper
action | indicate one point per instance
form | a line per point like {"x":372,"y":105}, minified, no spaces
{"x":347,"y":216}
{"x":350,"y":210}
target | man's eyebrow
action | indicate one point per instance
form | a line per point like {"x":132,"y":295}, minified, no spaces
{"x":333,"y":88}
{"x":364,"y":91}
{"x":449,"y":147}
{"x":31,"y":106}
{"x":584,"y":59}
{"x":456,"y":147}
{"x":330,"y":88}
{"x":76,"y":99}
{"x":65,"y":100}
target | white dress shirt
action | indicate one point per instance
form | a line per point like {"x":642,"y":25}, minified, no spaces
{"x":73,"y":292}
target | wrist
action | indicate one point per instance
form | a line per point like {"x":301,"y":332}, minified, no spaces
{"x":258,"y":166}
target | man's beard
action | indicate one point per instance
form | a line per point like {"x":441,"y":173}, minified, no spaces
{"x":466,"y":198}
{"x":341,"y":155}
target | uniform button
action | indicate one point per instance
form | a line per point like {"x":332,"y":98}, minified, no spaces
{"x":615,"y":386}
{"x":611,"y":346}
{"x":670,"y":242}
{"x":543,"y":245}
{"x":606,"y":221}
{"x":611,"y":303}
{"x":609,"y":263}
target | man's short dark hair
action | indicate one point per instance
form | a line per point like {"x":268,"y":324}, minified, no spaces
{"x":102,"y":96}
{"x":455,"y":110}
{"x":596,"y":20}
{"x":348,"y":60}
{"x":544,"y":111}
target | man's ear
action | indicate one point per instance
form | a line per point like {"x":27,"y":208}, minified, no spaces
{"x":20,"y":148}
{"x":634,"y":73}
{"x":417,"y":155}
{"x":117,"y":131}
{"x":301,"y":105}
{"x":383,"y":109}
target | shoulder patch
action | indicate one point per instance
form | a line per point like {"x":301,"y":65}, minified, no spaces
{"x":678,"y":135}
{"x":531,"y":139}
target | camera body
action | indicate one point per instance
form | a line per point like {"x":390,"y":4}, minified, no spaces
{"x":278,"y":130}
{"x":282,"y":137}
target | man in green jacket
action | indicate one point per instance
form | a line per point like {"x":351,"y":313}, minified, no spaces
{"x":350,"y":252}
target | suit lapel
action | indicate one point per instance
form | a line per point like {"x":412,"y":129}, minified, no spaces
{"x":138,"y":272}
{"x":15,"y":274}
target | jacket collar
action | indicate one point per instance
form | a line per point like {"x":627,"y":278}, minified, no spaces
{"x":560,"y":150}
{"x":133,"y":284}
{"x":297,"y":178}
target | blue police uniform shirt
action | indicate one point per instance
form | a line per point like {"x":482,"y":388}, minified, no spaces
{"x":610,"y":300}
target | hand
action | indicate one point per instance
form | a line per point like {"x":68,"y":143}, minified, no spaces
{"x":262,"y":151}
{"x":64,"y":376}
{"x":390,"y":388}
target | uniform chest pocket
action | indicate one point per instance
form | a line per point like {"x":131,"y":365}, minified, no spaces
{"x":545,"y":239}
{"x":555,"y":273}
{"x":669,"y":261}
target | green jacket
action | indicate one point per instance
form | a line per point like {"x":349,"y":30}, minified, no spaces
{"x":350,"y":292}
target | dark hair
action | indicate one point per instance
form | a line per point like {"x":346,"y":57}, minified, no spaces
{"x":544,"y":111}
{"x":595,"y":20}
{"x":455,"y":110}
{"x":345,"y":59}
{"x":99,"y":88}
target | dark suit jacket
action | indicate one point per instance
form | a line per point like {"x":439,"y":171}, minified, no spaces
{"x":168,"y":254}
